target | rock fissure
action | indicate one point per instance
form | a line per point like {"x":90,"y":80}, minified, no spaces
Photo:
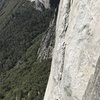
{"x":78,"y":27}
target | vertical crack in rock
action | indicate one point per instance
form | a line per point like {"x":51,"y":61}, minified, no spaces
{"x":66,"y":20}
{"x":59,"y":71}
{"x":63,"y":56}
{"x":73,"y":66}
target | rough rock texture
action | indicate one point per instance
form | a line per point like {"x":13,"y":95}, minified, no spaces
{"x":48,"y":41}
{"x":38,"y":5}
{"x":76,"y":52}
{"x":2,"y":2}
{"x":41,"y":2}
{"x":93,"y":89}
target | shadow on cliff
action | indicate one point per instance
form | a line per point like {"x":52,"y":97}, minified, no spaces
{"x":54,"y":3}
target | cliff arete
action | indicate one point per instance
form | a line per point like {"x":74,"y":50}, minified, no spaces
{"x":75,"y":73}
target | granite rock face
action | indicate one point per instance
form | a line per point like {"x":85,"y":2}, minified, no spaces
{"x":93,"y":89}
{"x":75,"y":72}
{"x":39,"y":3}
{"x":46,"y":48}
{"x":46,"y":3}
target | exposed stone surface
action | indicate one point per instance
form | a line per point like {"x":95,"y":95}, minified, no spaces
{"x":76,"y":52}
{"x":38,"y":5}
{"x":46,"y":3}
{"x":93,"y":89}
{"x":48,"y":41}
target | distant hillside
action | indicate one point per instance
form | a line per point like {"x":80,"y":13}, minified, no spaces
{"x":22,"y":76}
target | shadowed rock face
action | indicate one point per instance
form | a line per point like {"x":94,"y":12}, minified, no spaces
{"x":2,"y":2}
{"x":47,"y":44}
{"x":93,"y":88}
{"x":47,"y":3}
{"x":54,"y":3}
{"x":41,"y":3}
